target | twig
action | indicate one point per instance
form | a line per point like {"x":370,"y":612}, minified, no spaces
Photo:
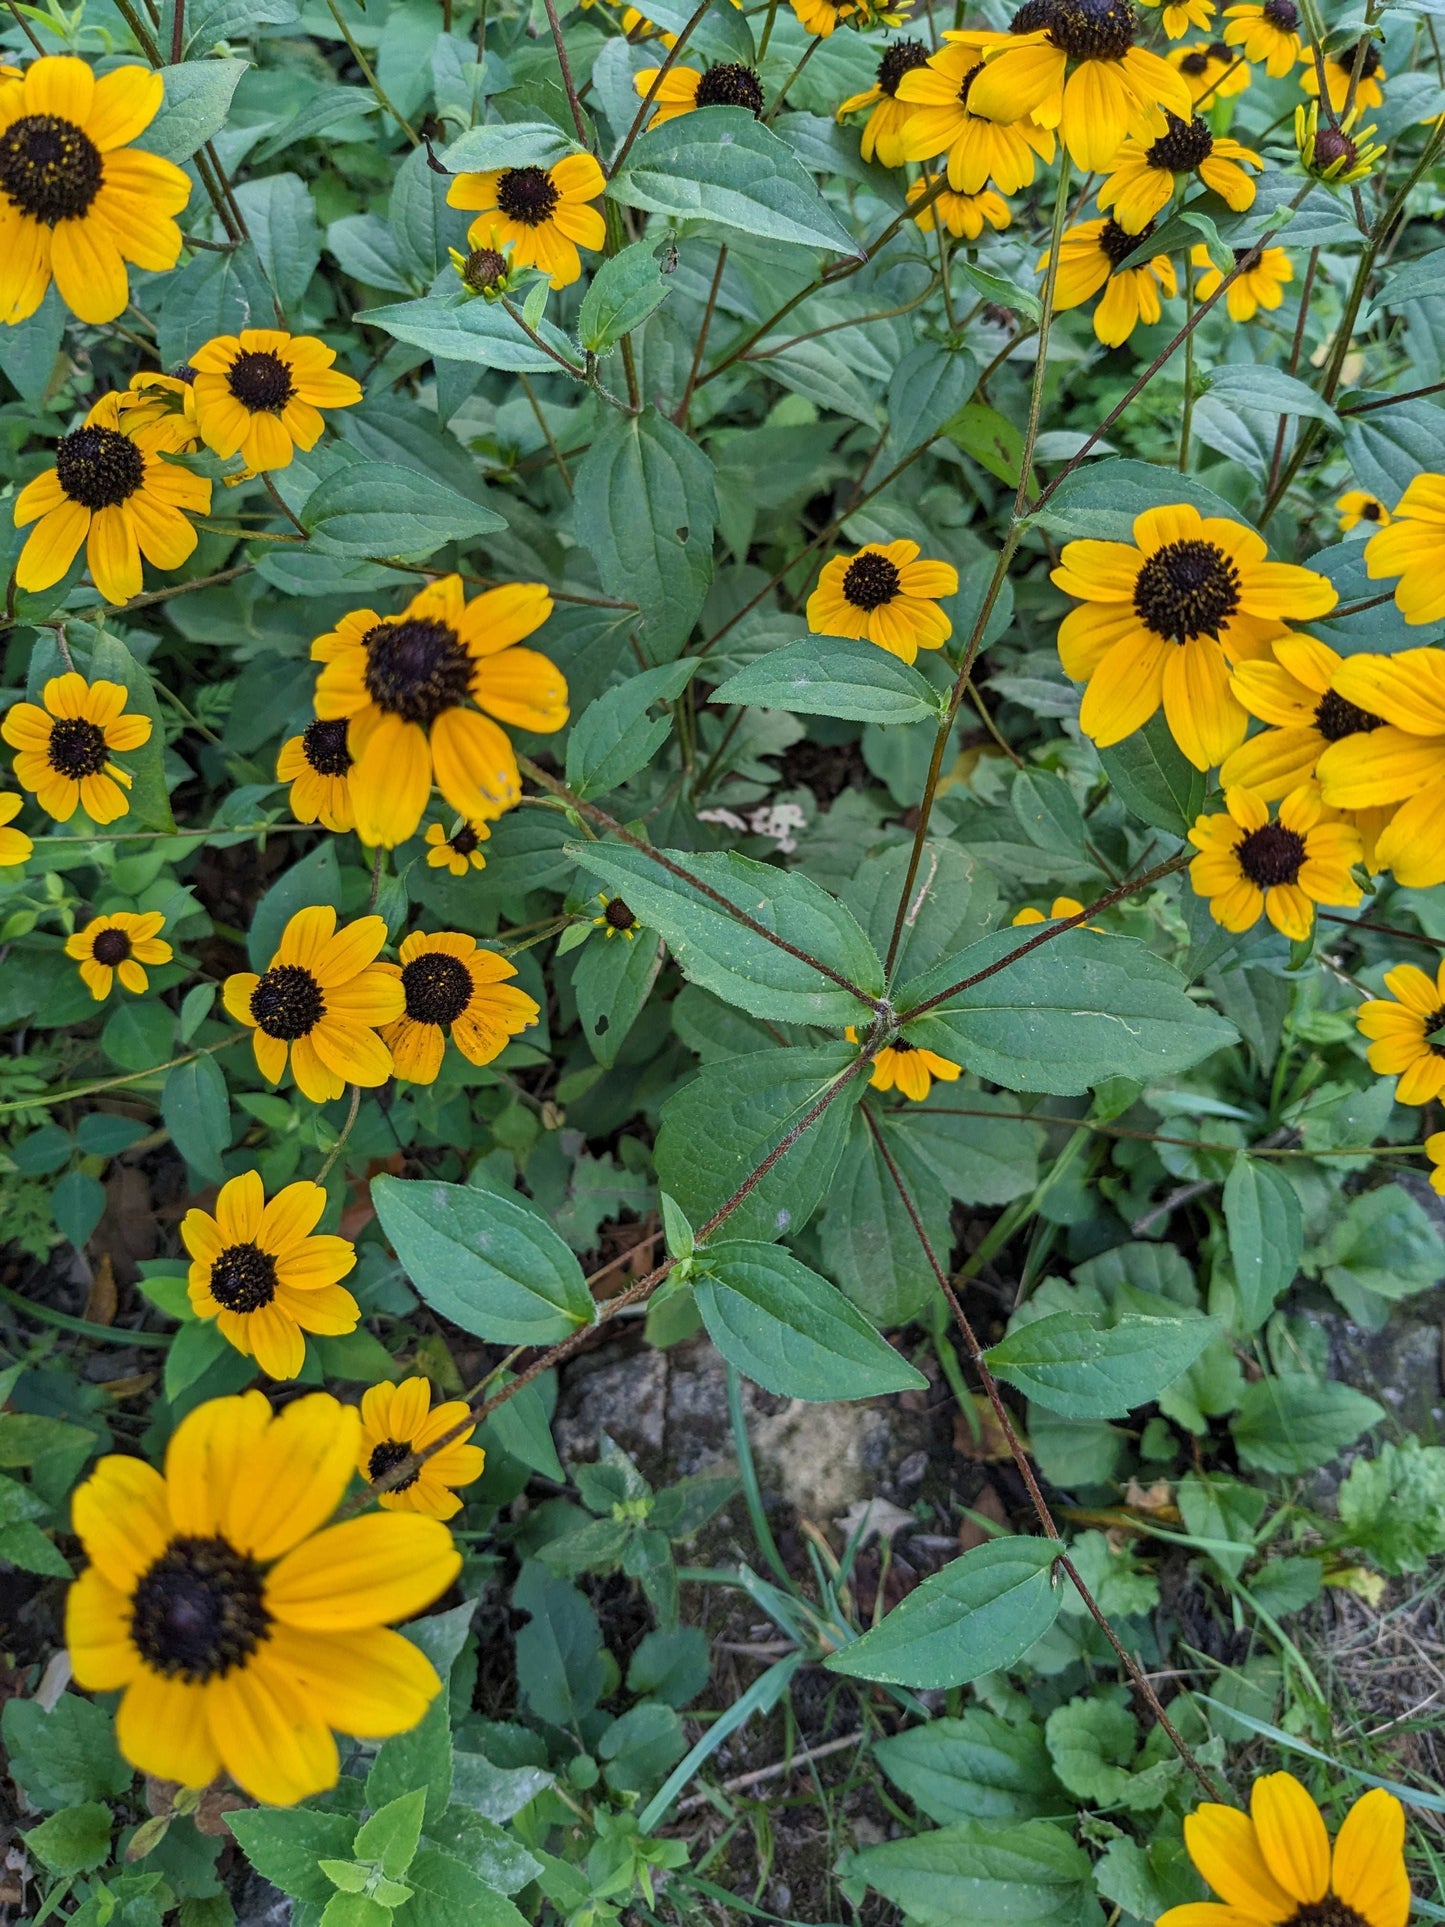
{"x":740,"y":1781}
{"x":670,"y":59}
{"x":700,"y":347}
{"x":340,"y":1145}
{"x":567,"y":81}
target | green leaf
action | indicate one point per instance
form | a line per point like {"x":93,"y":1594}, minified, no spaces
{"x":612,"y":739}
{"x":559,"y":1651}
{"x":928,"y":388}
{"x":996,"y":287}
{"x":623,"y":293}
{"x":281,"y":216}
{"x":834,"y":676}
{"x":640,"y":1747}
{"x":64,"y":1755}
{"x":792,"y":1332}
{"x":978,"y":1160}
{"x":512,"y":143}
{"x":285,"y":1844}
{"x":990,"y":438}
{"x":1075,"y":1010}
{"x":195,"y":1349}
{"x":673,"y":1667}
{"x":150,"y":807}
{"x":316,"y":879}
{"x":1092,"y":1743}
{"x":1072,"y":1365}
{"x":197,"y":1114}
{"x":1254,"y":384}
{"x":1393,"y":1506}
{"x":1384,"y":1242}
{"x":721,"y":165}
{"x":1102,"y":499}
{"x":76,"y":1840}
{"x":198,"y":98}
{"x":722,"y":954}
{"x":391,"y":1835}
{"x":1155,"y":780}
{"x":976,"y":1767}
{"x":1295,"y":1423}
{"x":419,"y":1760}
{"x":952,"y":899}
{"x":138,"y":1035}
{"x":1029,"y":1875}
{"x":457,"y":327}
{"x":612,"y":982}
{"x":867,"y":1238}
{"x":77,"y":1205}
{"x":381,"y":508}
{"x":1266,"y":1235}
{"x":522,"y":1426}
{"x":978,"y":1615}
{"x":446,"y":1892}
{"x":487,"y":1261}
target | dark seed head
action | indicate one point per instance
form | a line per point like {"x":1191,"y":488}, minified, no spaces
{"x":1371,"y":511}
{"x":1117,"y":244}
{"x":1184,"y":147}
{"x":416,"y":668}
{"x":1271,"y":856}
{"x":900,"y":57}
{"x":1332,"y":149}
{"x":965,"y":86}
{"x":1283,"y":14}
{"x":483,"y":269}
{"x":287,"y":1002}
{"x":199,"y":1611}
{"x":99,"y":467}
{"x":526,"y":194}
{"x":77,"y":748}
{"x":1186,"y":589}
{"x":1196,"y":65}
{"x":243,"y":1278}
{"x":902,"y":1044}
{"x":385,"y":1458}
{"x":323,"y":744}
{"x":185,"y":372}
{"x":1083,"y":29}
{"x":1328,"y":1912}
{"x":110,"y":947}
{"x":870,"y":580}
{"x":1248,"y":259}
{"x":618,"y":914}
{"x":438,"y":987}
{"x":49,"y":168}
{"x":1335,"y":718}
{"x":1434,"y":1023}
{"x":1221,"y":50}
{"x":261,"y":382}
{"x":731,"y":87}
{"x":465,"y":840}
{"x":1369,"y":66}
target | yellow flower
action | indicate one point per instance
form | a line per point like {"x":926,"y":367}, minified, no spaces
{"x":1338,"y":155}
{"x":405,"y":684}
{"x":1357,"y":505}
{"x":1402,"y":763}
{"x":883,"y":129}
{"x":111,"y":490}
{"x":449,"y":984}
{"x":1296,"y":693}
{"x":543,"y":213}
{"x":1408,"y":1033}
{"x":259,"y":395}
{"x":907,"y":1068}
{"x":15,"y":845}
{"x":1249,"y":866}
{"x":322,"y":997}
{"x":1212,"y":72}
{"x":395,"y":1422}
{"x":942,"y":119}
{"x":1161,"y":622}
{"x":317,"y":765}
{"x":240,"y":1627}
{"x":1259,"y":284}
{"x":1340,"y":72}
{"x":77,"y":202}
{"x":65,"y":747}
{"x":617,"y":919}
{"x":886,"y":595}
{"x":1267,"y":34}
{"x":1073,"y":65}
{"x":458,"y":852}
{"x":1273,"y":1868}
{"x":1145,"y":173}
{"x":116,"y":946}
{"x":154,"y":397}
{"x":684,"y":89}
{"x":1435,"y":1151}
{"x":265,"y":1275}
{"x":1178,"y":16}
{"x":962,"y":214}
{"x":1060,"y":907}
{"x":1099,"y":254}
{"x":1412,"y":547}
{"x":822,"y":16}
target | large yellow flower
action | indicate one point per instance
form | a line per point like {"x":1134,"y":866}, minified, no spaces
{"x":406,"y":684}
{"x":77,"y":202}
{"x":887,"y":114}
{"x":942,"y":119}
{"x":1408,"y":1032}
{"x":1161,"y":622}
{"x":1145,"y":173}
{"x":544,"y":214}
{"x":1410,"y":544}
{"x":886,"y":595}
{"x":396,"y":1420}
{"x":1099,"y":254}
{"x":1340,"y":71}
{"x":259,"y":394}
{"x":65,"y":748}
{"x":239,"y":1627}
{"x":963,"y":215}
{"x":452,"y":985}
{"x":1272,"y":1867}
{"x":1296,"y":694}
{"x":907,"y":1068}
{"x":117,"y":946}
{"x":683,"y":90}
{"x":1402,"y":763}
{"x":15,"y":845}
{"x":1267,"y":34}
{"x":1260,"y":282}
{"x":112,"y":490}
{"x":317,"y":765}
{"x":323,"y":998}
{"x":1073,"y":65}
{"x":1249,"y":867}
{"x":264,"y":1275}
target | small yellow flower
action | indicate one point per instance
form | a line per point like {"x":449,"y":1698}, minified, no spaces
{"x":1357,"y":505}
{"x":451,"y":985}
{"x":1412,"y":547}
{"x":65,"y":747}
{"x":1267,"y":34}
{"x":154,"y":397}
{"x":317,"y":765}
{"x":616,"y":919}
{"x":15,"y":845}
{"x":259,"y":395}
{"x":822,"y":17}
{"x":1212,"y":72}
{"x":1060,"y":907}
{"x":1296,"y":694}
{"x":886,"y":595}
{"x":544,"y":214}
{"x":907,"y":1068}
{"x":963,"y":215}
{"x":396,"y":1420}
{"x":460,"y":851}
{"x":1260,"y":283}
{"x":116,"y":946}
{"x":1146,"y":173}
{"x":882,"y":137}
{"x":684,"y":89}
{"x":1250,"y":867}
{"x":1100,"y":255}
{"x":1407,"y":1030}
{"x":1178,"y":16}
{"x":1340,"y":74}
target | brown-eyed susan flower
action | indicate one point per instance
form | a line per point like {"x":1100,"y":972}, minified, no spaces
{"x":397,"y":1420}
{"x":1295,"y":693}
{"x":887,"y":114}
{"x":265,"y":1274}
{"x":1435,"y":1151}
{"x":1357,"y":506}
{"x":1410,"y":544}
{"x":1211,"y":73}
{"x":941,"y":119}
{"x":963,"y":215}
{"x":544,"y":214}
{"x":1266,"y":34}
{"x":15,"y":845}
{"x":683,"y":90}
{"x":1339,"y":156}
{"x":1407,"y":1032}
{"x":322,"y":998}
{"x":460,"y":850}
{"x":1161,"y":622}
{"x":907,"y":1068}
{"x":1145,"y":173}
{"x":425,"y":693}
{"x":1178,"y":16}
{"x":112,"y":490}
{"x":259,"y":395}
{"x":451,"y":985}
{"x":617,"y":918}
{"x":1273,"y":1867}
{"x":238,"y":1626}
{"x":483,"y":271}
{"x":1060,"y":907}
{"x":1260,"y":282}
{"x":119,"y":945}
{"x":823,"y":17}
{"x":65,"y":747}
{"x":153,"y":397}
{"x":1249,"y":866}
{"x":1340,"y":75}
{"x":884,"y":594}
{"x":1073,"y":65}
{"x":77,"y":201}
{"x":317,"y":765}
{"x":1403,"y":762}
{"x":1099,"y":255}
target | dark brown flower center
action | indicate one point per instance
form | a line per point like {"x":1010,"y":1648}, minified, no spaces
{"x":1433,"y":1031}
{"x":1185,"y":146}
{"x":1196,"y":65}
{"x":902,"y":1044}
{"x":243,"y":1278}
{"x":199,"y":1611}
{"x":965,"y":86}
{"x":1332,"y":150}
{"x":77,"y":748}
{"x":99,"y":467}
{"x":1328,"y":1912}
{"x":416,"y":668}
{"x":1372,"y":511}
{"x":618,"y":914}
{"x":110,"y":947}
{"x":1186,"y":589}
{"x":526,"y":194}
{"x":900,"y":57}
{"x":438,"y":987}
{"x":260,"y":381}
{"x":731,"y":87}
{"x":1283,"y":14}
{"x":1248,"y":259}
{"x":465,"y":840}
{"x":185,"y":372}
{"x":483,"y":269}
{"x":1083,"y":29}
{"x":1221,"y":50}
{"x":1369,"y":66}
{"x":385,"y":1458}
{"x":287,"y":1002}
{"x":1118,"y":245}
{"x":1336,"y":719}
{"x":49,"y":168}
{"x":870,"y":580}
{"x":323,"y":744}
{"x":1271,"y":856}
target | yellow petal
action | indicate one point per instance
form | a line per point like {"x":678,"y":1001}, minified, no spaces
{"x":363,"y":1572}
